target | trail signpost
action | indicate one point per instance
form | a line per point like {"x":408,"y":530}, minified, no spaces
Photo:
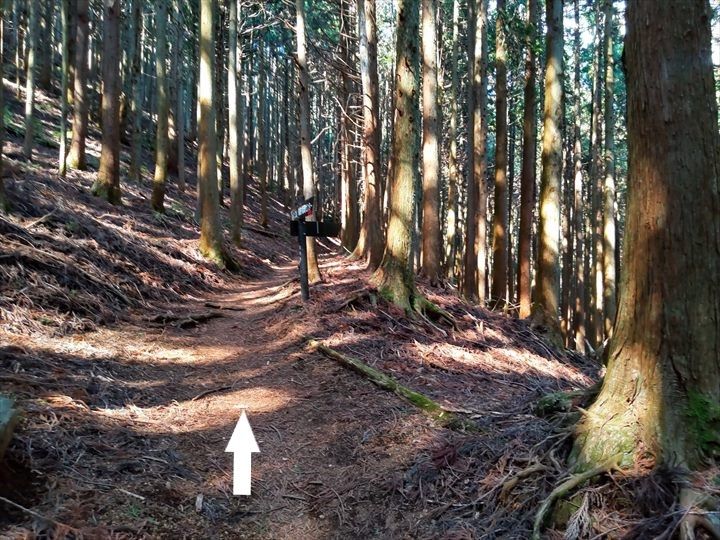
{"x":302,"y":229}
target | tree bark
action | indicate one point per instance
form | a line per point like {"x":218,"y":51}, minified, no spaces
{"x":163,"y":107}
{"x":548,"y":270}
{"x":32,"y":31}
{"x":394,"y":278}
{"x":370,"y":241}
{"x":304,"y":115}
{"x":76,"y":158}
{"x":431,"y":153}
{"x":500,"y":221}
{"x":65,"y":27}
{"x":609,"y":272}
{"x":210,"y":234}
{"x":135,"y":94}
{"x":527,"y":174}
{"x":661,"y":392}
{"x":107,"y":184}
{"x":236,"y":187}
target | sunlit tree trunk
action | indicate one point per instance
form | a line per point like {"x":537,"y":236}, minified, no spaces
{"x":454,"y":172}
{"x":548,"y":270}
{"x":394,"y":278}
{"x":163,"y":108}
{"x":609,"y":272}
{"x":578,"y":207}
{"x":65,"y":24}
{"x":370,"y":242}
{"x":430,"y":146}
{"x":76,"y":158}
{"x":500,"y":221}
{"x":210,"y":234}
{"x":527,"y":174}
{"x":32,"y":31}
{"x":304,"y":115}
{"x":660,"y":396}
{"x":107,"y":184}
{"x":236,"y":199}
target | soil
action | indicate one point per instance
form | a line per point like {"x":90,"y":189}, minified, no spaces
{"x":131,"y":359}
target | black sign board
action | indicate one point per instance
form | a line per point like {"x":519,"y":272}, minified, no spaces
{"x":302,"y":229}
{"x":316,"y":228}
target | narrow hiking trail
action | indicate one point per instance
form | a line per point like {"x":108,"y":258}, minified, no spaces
{"x":128,"y":435}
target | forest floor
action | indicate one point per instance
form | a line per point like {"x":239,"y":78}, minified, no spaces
{"x":130,"y":358}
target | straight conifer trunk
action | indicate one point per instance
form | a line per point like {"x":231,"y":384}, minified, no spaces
{"x":527,"y":174}
{"x":163,"y":107}
{"x":370,"y":243}
{"x":394,"y":278}
{"x":454,"y":172}
{"x":32,"y":31}
{"x":107,"y":184}
{"x":76,"y":158}
{"x":661,"y":392}
{"x":236,"y":202}
{"x":548,"y":269}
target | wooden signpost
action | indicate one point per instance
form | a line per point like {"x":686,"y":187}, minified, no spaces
{"x":302,"y":229}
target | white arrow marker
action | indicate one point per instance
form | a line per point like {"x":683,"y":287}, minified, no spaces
{"x":242,"y":443}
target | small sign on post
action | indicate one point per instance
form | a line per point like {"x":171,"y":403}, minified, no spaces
{"x":302,"y":229}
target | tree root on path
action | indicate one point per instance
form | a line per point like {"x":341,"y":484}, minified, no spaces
{"x":427,"y":405}
{"x":700,"y":513}
{"x":564,"y":488}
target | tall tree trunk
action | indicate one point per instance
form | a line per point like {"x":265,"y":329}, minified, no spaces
{"x":45,"y":49}
{"x":527,"y":174}
{"x":609,"y":277}
{"x":32,"y":31}
{"x":65,"y":27}
{"x":661,"y":392}
{"x":453,"y":173}
{"x":178,"y":66}
{"x":236,"y":199}
{"x":135,"y":93}
{"x":76,"y":158}
{"x":476,"y":241}
{"x":163,"y":108}
{"x":210,"y":233}
{"x":579,"y":263}
{"x":262,"y":138}
{"x":370,"y":242}
{"x":500,"y":222}
{"x":219,"y":97}
{"x":548,"y":270}
{"x":394,"y":277}
{"x":304,"y":114}
{"x":431,"y":153}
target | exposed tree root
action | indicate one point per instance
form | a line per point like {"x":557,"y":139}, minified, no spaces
{"x":700,"y":514}
{"x":422,"y":402}
{"x":426,"y":307}
{"x":563,"y":489}
{"x":510,"y":484}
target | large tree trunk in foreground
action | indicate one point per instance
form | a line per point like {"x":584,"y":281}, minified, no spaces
{"x":305,"y":151}
{"x":453,"y":172}
{"x":107,"y":184}
{"x":548,"y":267}
{"x":394,"y":277}
{"x":527,"y":175}
{"x":76,"y":158}
{"x":661,"y":392}
{"x":210,"y":235}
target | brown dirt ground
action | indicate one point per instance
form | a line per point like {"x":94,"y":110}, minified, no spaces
{"x":128,"y":402}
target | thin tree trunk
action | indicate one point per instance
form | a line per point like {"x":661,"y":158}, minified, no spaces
{"x":107,"y":184}
{"x":500,"y":222}
{"x":210,"y":233}
{"x":454,"y":173}
{"x":548,"y":271}
{"x":64,"y":23}
{"x":179,"y":97}
{"x":305,"y":150}
{"x":163,"y":107}
{"x":431,"y":152}
{"x":579,"y":279}
{"x":76,"y":158}
{"x":32,"y":31}
{"x":45,"y":49}
{"x":370,"y":242}
{"x":609,"y":277}
{"x":262,"y":139}
{"x":135,"y":93}
{"x":236,"y":200}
